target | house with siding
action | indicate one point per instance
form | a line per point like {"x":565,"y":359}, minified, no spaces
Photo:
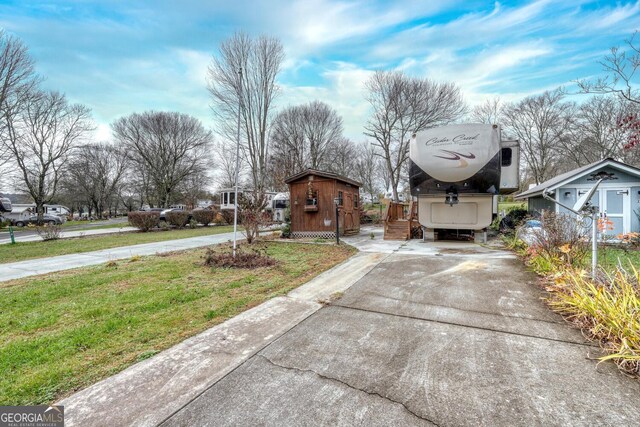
{"x":618,"y":196}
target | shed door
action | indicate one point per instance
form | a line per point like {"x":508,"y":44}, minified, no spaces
{"x":613,"y":205}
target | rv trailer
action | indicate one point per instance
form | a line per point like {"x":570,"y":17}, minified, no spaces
{"x":456,"y":173}
{"x":279,"y":205}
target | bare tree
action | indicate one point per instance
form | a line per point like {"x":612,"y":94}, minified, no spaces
{"x":308,"y":136}
{"x":41,"y":137}
{"x":17,"y":81}
{"x":341,"y":157}
{"x":96,"y":171}
{"x":620,"y":68}
{"x":489,"y":112}
{"x":596,"y":133}
{"x":167,"y":147}
{"x":540,"y":123}
{"x":225,"y":152}
{"x":367,"y":169}
{"x":252,"y":93}
{"x":403,"y":105}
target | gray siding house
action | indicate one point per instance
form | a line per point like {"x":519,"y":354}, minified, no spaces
{"x":618,"y":196}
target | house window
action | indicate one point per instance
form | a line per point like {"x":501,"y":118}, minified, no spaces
{"x":355,"y":201}
{"x":340,"y":198}
{"x":225,"y":198}
{"x":232,"y":198}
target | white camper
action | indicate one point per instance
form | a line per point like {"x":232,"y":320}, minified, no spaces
{"x":456,"y":173}
{"x":279,"y":205}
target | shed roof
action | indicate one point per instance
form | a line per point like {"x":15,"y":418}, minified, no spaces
{"x":567,"y":177}
{"x":323,"y":174}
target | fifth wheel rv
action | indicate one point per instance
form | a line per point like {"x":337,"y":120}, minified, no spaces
{"x":456,"y":173}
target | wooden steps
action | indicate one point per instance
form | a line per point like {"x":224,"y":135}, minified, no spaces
{"x":397,"y":230}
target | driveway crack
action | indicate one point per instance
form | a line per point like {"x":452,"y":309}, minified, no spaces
{"x":371,"y":393}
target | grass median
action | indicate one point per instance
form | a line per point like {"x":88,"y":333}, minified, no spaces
{"x":31,"y":250}
{"x":62,"y":332}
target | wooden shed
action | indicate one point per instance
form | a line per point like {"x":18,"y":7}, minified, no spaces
{"x":313,"y":209}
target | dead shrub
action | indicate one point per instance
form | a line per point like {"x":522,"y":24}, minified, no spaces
{"x":560,"y":237}
{"x":254,"y":258}
{"x":144,"y":221}
{"x":49,"y":231}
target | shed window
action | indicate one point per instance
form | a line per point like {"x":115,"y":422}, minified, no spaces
{"x":313,"y":200}
{"x":506,"y":157}
{"x":355,"y":201}
{"x":339,"y":198}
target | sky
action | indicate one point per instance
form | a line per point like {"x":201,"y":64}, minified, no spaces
{"x":120,"y":57}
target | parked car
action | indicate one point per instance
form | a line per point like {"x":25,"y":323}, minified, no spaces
{"x":33,"y":219}
{"x":529,"y":231}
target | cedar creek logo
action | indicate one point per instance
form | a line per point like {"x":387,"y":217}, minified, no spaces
{"x":31,"y":416}
{"x":458,"y":140}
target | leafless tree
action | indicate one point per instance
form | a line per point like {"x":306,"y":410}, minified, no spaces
{"x":41,"y":137}
{"x":403,"y":105}
{"x":596,"y":132}
{"x":367,"y":167}
{"x":308,"y":136}
{"x":96,"y":171}
{"x":17,"y":83}
{"x":341,"y":157}
{"x":489,"y":112}
{"x":260,"y":61}
{"x":620,"y":68}
{"x":167,"y":147}
{"x":540,"y":123}
{"x":225,"y":152}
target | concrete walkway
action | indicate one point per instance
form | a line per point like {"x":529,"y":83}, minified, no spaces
{"x":446,"y":334}
{"x":17,"y":270}
{"x":4,"y":237}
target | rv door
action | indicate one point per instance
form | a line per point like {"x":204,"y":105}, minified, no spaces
{"x":509,"y":166}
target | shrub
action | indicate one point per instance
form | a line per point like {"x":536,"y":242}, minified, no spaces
{"x":227,"y":216}
{"x":255,"y":258}
{"x":49,"y":231}
{"x":193,"y":223}
{"x":178,"y":218}
{"x":204,"y":216}
{"x":607,"y":311}
{"x":560,"y":237}
{"x":144,"y":221}
{"x":251,"y":215}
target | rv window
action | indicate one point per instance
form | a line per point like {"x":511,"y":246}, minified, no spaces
{"x":506,"y":157}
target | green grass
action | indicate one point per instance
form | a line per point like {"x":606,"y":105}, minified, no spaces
{"x":609,"y":257}
{"x":31,"y":250}
{"x":510,"y":205}
{"x":88,"y":225}
{"x":62,"y":332}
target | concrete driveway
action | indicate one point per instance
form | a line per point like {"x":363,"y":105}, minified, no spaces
{"x":436,"y":334}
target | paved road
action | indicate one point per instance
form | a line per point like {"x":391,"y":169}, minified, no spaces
{"x":88,"y":229}
{"x":447,"y":334}
{"x":17,"y":270}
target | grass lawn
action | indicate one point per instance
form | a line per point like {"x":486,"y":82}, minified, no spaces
{"x":88,"y":225}
{"x":510,"y":205}
{"x":608,"y":257}
{"x":40,"y":249}
{"x":62,"y":332}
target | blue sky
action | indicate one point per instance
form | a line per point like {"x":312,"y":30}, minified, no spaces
{"x":119,"y":57}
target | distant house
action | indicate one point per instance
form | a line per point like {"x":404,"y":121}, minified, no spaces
{"x":312,"y":196}
{"x":618,"y":196}
{"x":227,"y":197}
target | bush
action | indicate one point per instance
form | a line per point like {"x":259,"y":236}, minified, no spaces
{"x":513,"y":219}
{"x":49,"y":231}
{"x":204,"y":216}
{"x":607,"y":311}
{"x":227,"y":216}
{"x":193,"y":224}
{"x":560,"y":238}
{"x":144,"y":221}
{"x":178,"y":218}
